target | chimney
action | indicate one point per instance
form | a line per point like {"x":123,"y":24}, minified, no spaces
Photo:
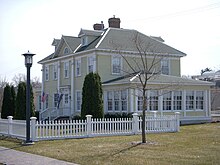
{"x":114,"y":22}
{"x":98,"y":26}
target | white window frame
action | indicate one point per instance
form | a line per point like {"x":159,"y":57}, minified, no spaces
{"x":66,"y":67}
{"x":47,"y":71}
{"x":167,"y":101}
{"x":154,"y":100}
{"x":55,"y":71}
{"x":78,"y":100}
{"x":66,"y":50}
{"x":84,"y":40}
{"x":112,"y":100}
{"x":190,"y":99}
{"x":116,"y":59}
{"x":55,"y":99}
{"x":165,"y":66}
{"x":91,"y":63}
{"x":177,"y":100}
{"x":199,"y":100}
{"x":78,"y":67}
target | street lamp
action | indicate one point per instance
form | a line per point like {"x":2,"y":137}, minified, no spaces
{"x":28,"y":63}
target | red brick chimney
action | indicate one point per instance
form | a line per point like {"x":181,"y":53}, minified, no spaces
{"x":98,"y":26}
{"x":114,"y":22}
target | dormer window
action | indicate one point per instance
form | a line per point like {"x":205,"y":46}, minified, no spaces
{"x":84,"y":40}
{"x":66,"y":51}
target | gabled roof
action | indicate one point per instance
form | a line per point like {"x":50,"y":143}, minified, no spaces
{"x":90,"y":32}
{"x":71,"y":42}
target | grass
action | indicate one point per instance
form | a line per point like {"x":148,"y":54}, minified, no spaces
{"x":195,"y":144}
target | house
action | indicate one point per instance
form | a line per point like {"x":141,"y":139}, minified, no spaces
{"x":106,"y":50}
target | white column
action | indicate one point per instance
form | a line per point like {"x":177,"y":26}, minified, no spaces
{"x":184,"y":103}
{"x":72,"y":87}
{"x":132,"y":95}
{"x":42,"y":86}
{"x":58,"y":75}
{"x":160,"y":102}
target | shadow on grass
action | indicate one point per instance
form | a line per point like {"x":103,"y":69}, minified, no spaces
{"x":17,"y":142}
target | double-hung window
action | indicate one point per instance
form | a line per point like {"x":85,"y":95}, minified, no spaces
{"x":200,"y":100}
{"x":117,"y":100}
{"x":55,"y":99}
{"x":66,"y":69}
{"x":153,"y":100}
{"x":177,"y":100}
{"x":165,"y":66}
{"x":91,"y":64}
{"x":189,"y":100}
{"x":46,"y":73}
{"x":55,"y":71}
{"x":116,"y":65}
{"x":78,"y":100}
{"x":167,"y":101}
{"x":78,"y":67}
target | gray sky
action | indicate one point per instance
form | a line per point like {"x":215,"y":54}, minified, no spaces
{"x":191,"y":26}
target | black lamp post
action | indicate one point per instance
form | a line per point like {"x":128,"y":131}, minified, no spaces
{"x":28,"y":63}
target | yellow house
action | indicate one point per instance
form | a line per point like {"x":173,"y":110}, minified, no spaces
{"x":117,"y":55}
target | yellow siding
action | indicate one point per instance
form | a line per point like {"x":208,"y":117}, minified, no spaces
{"x":175,"y":67}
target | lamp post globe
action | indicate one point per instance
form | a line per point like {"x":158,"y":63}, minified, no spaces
{"x":28,"y":63}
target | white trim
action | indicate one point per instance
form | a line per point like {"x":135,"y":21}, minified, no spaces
{"x":77,"y":110}
{"x":72,"y":96}
{"x":80,"y":67}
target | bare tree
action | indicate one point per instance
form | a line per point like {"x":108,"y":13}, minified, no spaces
{"x":145,"y":65}
{"x":35,"y":82}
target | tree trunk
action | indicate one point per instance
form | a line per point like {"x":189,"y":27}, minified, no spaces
{"x":143,"y":124}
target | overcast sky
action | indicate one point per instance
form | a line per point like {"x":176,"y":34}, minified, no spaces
{"x":191,"y":26}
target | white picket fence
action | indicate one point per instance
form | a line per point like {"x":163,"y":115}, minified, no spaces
{"x":49,"y":130}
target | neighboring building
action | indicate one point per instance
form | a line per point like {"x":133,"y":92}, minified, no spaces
{"x":100,"y":50}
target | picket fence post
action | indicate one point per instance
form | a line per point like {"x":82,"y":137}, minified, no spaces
{"x":10,"y":125}
{"x":177,"y":114}
{"x":89,"y":125}
{"x":135,"y":123}
{"x":33,"y":128}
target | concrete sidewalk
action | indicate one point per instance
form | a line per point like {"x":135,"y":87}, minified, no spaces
{"x":13,"y":157}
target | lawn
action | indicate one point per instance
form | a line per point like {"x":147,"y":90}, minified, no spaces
{"x":195,"y":144}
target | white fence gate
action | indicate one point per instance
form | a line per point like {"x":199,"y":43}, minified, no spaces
{"x":48,"y":130}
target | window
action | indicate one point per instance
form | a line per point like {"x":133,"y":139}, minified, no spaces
{"x":116,"y":65}
{"x":55,"y":99}
{"x":177,"y":100}
{"x":117,"y":100}
{"x":39,"y":102}
{"x":199,"y":100}
{"x":124,"y":100}
{"x":66,"y":69}
{"x":47,"y":73}
{"x":66,"y":51}
{"x":153,"y":100}
{"x":109,"y":101}
{"x":84,"y":41}
{"x":91,"y":64}
{"x":55,"y":71}
{"x":66,"y":98}
{"x":165,"y":69}
{"x":189,"y":100}
{"x":167,"y":99}
{"x":78,"y":100}
{"x":78,"y":67}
